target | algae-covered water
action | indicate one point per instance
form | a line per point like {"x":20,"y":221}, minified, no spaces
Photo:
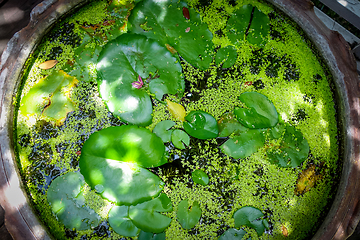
{"x":286,"y":172}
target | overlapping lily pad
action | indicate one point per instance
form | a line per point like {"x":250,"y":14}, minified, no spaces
{"x":119,"y":65}
{"x":68,"y":204}
{"x":120,"y":221}
{"x":227,"y":56}
{"x":188,"y":214}
{"x":251,"y":217}
{"x":201,"y":125}
{"x":165,"y":22}
{"x":232,"y":234}
{"x":162,"y":130}
{"x":114,"y":161}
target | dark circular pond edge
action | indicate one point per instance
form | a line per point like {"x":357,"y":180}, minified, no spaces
{"x":344,"y":214}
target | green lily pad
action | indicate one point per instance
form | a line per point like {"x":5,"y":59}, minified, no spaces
{"x":261,"y":112}
{"x":50,"y":97}
{"x":229,"y":124}
{"x":201,"y":125}
{"x":251,"y":217}
{"x":232,"y":234}
{"x":147,"y":215}
{"x":245,"y":144}
{"x":121,"y":223}
{"x":188,"y":215}
{"x":121,"y":62}
{"x":200,"y":177}
{"x":151,"y":236}
{"x":180,"y":139}
{"x":162,"y":130}
{"x":67,"y":202}
{"x":227,"y":55}
{"x":114,"y":160}
{"x":164,"y":21}
{"x":293,"y":150}
{"x":248,"y":23}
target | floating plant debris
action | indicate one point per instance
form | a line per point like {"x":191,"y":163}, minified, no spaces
{"x":177,"y":120}
{"x":48,"y":64}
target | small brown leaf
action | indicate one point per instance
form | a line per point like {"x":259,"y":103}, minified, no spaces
{"x":186,"y":13}
{"x":284,"y":230}
{"x":170,"y":48}
{"x":48,"y":64}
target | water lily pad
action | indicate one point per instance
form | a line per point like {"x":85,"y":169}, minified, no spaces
{"x":162,"y":130}
{"x":226,"y":55}
{"x":229,"y":124}
{"x":248,"y":23}
{"x":200,"y":177}
{"x":261,"y":112}
{"x":201,"y":125}
{"x":245,"y":144}
{"x":114,"y":158}
{"x":164,"y":21}
{"x":119,"y":65}
{"x":121,"y":223}
{"x":151,"y":236}
{"x":147,"y":215}
{"x":251,"y":217}
{"x":293,"y":150}
{"x":67,"y":202}
{"x":50,"y":97}
{"x":188,"y":214}
{"x":180,"y":139}
{"x":232,"y":234}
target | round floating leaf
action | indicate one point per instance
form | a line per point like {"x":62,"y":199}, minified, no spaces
{"x":113,"y":160}
{"x":251,"y":217}
{"x":188,"y":215}
{"x":228,"y":124}
{"x":201,"y":125}
{"x":245,"y":144}
{"x":259,"y":28}
{"x":164,"y":21}
{"x":227,"y":55}
{"x":162,"y":130}
{"x":261,"y":112}
{"x":121,"y":62}
{"x":121,"y":223}
{"x":147,"y":215}
{"x":151,"y":236}
{"x":67,"y":202}
{"x":232,"y":234}
{"x":238,"y":24}
{"x":180,"y":139}
{"x":293,"y":150}
{"x":200,"y":177}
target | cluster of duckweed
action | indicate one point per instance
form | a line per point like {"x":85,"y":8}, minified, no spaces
{"x":286,"y":70}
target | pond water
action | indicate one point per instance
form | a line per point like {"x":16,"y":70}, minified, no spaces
{"x":185,"y":120}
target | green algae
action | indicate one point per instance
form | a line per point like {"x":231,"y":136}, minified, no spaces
{"x":286,"y":68}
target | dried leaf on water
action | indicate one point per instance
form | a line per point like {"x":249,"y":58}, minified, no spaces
{"x":48,"y":64}
{"x":176,"y":110}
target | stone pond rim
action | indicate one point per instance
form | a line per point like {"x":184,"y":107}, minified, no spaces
{"x":344,"y":214}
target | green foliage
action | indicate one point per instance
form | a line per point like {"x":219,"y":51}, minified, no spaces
{"x":180,"y":139}
{"x":121,"y":223}
{"x":233,"y":234}
{"x":67,"y":202}
{"x":164,"y":21}
{"x":248,"y":23}
{"x":201,"y":125}
{"x":227,"y":55}
{"x":261,"y":112}
{"x":188,"y":215}
{"x":162,"y":130}
{"x":151,"y":236}
{"x":50,"y":97}
{"x":244,"y":144}
{"x":293,"y":150}
{"x":228,"y":124}
{"x":114,"y":161}
{"x":251,"y":217}
{"x":121,"y":62}
{"x":147,"y":215}
{"x":200,"y":177}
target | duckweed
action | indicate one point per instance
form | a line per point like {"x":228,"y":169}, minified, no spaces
{"x":286,"y":70}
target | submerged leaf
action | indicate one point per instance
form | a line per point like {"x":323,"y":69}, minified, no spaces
{"x":48,"y":64}
{"x":187,"y":214}
{"x":228,"y":124}
{"x":232,"y":234}
{"x":50,"y":97}
{"x":67,"y":202}
{"x":114,"y":158}
{"x":176,"y":110}
{"x":121,"y":223}
{"x":201,"y":125}
{"x":226,"y":55}
{"x":151,"y":236}
{"x":251,"y":217}
{"x":147,"y":215}
{"x":307,"y":180}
